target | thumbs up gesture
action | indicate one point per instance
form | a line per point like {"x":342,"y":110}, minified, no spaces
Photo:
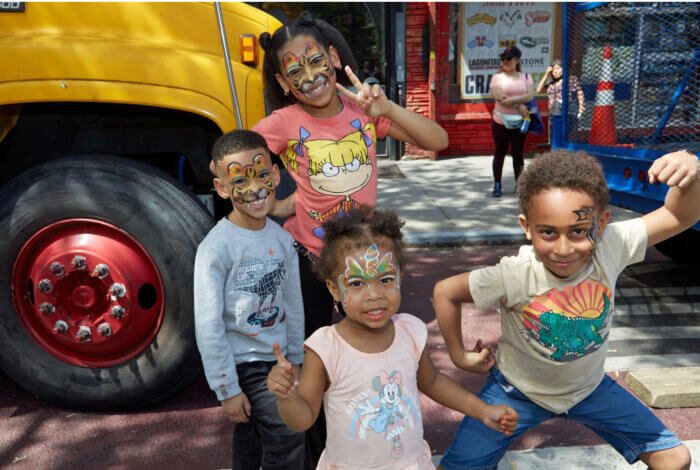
{"x":282,"y":381}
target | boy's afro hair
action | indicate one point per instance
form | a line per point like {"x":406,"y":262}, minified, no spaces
{"x":354,"y":230}
{"x":578,"y":171}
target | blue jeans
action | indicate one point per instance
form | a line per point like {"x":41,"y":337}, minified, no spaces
{"x":610,"y":411}
{"x":265,"y":440}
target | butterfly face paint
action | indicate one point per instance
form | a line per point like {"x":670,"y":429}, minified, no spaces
{"x":251,"y":182}
{"x":304,"y":70}
{"x":369,"y":270}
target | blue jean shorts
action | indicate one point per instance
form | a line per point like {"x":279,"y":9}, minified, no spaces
{"x":610,"y":411}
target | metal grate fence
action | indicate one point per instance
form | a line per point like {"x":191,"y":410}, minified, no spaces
{"x":638,"y":65}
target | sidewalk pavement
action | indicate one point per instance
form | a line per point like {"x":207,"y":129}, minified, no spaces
{"x":449,"y":201}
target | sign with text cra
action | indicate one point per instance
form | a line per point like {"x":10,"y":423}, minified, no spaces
{"x":489,"y":27}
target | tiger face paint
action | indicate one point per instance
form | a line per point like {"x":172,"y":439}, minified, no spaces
{"x":308,"y":70}
{"x":251,"y":182}
{"x":373,"y":270}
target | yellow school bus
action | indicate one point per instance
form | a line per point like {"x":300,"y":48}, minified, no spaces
{"x":108,"y":112}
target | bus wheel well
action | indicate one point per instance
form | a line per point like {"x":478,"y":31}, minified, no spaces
{"x":156,"y":136}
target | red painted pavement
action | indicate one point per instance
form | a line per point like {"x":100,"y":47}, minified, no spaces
{"x":189,"y":431}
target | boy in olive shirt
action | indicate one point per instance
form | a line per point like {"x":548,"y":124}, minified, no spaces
{"x":556,"y":303}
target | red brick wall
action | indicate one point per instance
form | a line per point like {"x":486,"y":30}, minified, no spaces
{"x":468,"y":124}
{"x":417,"y":91}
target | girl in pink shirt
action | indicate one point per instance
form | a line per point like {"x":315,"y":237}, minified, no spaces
{"x":368,"y":369}
{"x":327,"y":141}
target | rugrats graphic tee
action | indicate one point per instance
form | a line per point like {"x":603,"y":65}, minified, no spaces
{"x":372,"y":404}
{"x":333,"y":162}
{"x":554,"y":331}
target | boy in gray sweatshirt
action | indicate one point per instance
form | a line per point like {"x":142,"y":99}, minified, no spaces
{"x":247,"y":296}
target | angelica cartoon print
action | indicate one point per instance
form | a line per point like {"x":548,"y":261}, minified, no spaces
{"x":388,"y":414}
{"x":336,"y":168}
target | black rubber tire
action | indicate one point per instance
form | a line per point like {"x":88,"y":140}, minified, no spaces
{"x":164,"y":217}
{"x":684,"y":247}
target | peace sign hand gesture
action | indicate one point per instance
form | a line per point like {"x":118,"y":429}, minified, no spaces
{"x":370,"y":98}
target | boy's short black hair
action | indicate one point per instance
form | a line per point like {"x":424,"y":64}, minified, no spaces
{"x":354,"y":230}
{"x":237,"y":141}
{"x":578,"y":171}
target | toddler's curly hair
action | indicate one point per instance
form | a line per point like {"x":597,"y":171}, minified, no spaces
{"x":577,"y":171}
{"x":355,"y":230}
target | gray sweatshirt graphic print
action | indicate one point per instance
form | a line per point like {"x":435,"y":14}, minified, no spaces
{"x":247,"y":296}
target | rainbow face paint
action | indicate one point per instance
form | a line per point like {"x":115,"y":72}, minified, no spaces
{"x":312,"y":63}
{"x":251,"y":182}
{"x":370,"y":268}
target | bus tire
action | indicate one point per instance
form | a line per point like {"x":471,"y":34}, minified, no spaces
{"x":145,"y":227}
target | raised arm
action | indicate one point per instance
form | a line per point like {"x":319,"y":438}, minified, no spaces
{"x":406,"y":125}
{"x":543,"y":82}
{"x":681,"y":209}
{"x":448,"y":297}
{"x":298,"y":397}
{"x":449,"y":393}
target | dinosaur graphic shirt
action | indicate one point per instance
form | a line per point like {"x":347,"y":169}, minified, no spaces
{"x":554,"y":331}
{"x":247,"y":295}
{"x":332,"y":161}
{"x":372,"y":405}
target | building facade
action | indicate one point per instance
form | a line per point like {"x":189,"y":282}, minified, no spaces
{"x":452,"y":51}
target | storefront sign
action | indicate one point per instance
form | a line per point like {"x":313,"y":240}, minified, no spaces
{"x":489,"y":27}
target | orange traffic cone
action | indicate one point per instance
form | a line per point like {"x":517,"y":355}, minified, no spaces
{"x":603,"y":123}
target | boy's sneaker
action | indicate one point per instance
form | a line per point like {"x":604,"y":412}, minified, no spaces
{"x":496,"y":190}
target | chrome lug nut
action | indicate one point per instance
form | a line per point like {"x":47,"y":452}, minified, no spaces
{"x":79,"y":262}
{"x":84,"y":334}
{"x":117,"y":290}
{"x":60,"y":327}
{"x":47,"y":308}
{"x":104,"y":329}
{"x":44,"y":286}
{"x":118,"y":311}
{"x":101,"y":271}
{"x":57,"y":269}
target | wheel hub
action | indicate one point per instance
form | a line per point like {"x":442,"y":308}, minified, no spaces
{"x":84,"y":297}
{"x":75,"y":286}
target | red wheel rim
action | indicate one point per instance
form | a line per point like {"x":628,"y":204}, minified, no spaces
{"x":88,"y":293}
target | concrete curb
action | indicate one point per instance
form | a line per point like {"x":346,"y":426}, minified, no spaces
{"x":465,"y":237}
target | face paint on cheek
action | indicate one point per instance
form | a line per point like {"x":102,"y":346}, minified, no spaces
{"x":243,"y":179}
{"x":318,"y":61}
{"x":592,"y":234}
{"x":312,"y":59}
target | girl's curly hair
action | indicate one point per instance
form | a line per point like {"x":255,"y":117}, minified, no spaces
{"x":577,"y":171}
{"x":355,"y":230}
{"x":305,"y":24}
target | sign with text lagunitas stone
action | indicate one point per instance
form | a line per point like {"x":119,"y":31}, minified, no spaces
{"x":487,"y":28}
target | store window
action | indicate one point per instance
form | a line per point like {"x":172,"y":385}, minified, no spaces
{"x":357,"y":22}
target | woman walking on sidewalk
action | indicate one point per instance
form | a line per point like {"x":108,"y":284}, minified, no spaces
{"x":511,"y":89}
